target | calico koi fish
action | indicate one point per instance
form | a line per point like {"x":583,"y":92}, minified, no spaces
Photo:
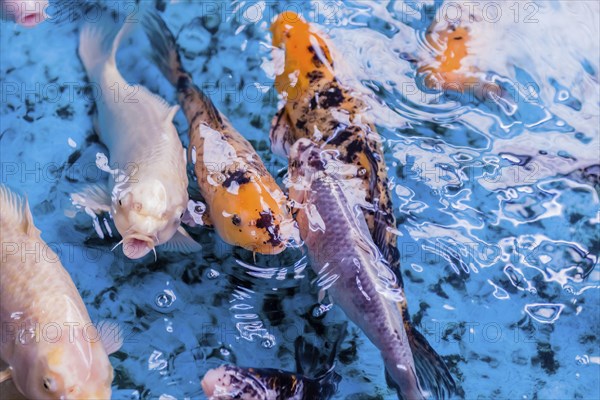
{"x":308,"y":383}
{"x":244,"y":203}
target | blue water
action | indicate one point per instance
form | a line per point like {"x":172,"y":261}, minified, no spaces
{"x":497,"y":202}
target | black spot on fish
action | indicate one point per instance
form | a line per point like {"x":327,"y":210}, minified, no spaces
{"x":314,"y":76}
{"x":183,"y":83}
{"x":301,"y":123}
{"x":265,"y":221}
{"x":332,"y":97}
{"x":341,"y":137}
{"x":237,"y":176}
{"x":353,"y":149}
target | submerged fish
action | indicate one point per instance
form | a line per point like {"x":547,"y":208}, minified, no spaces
{"x":450,"y":41}
{"x":245,"y":204}
{"x":318,"y":107}
{"x":27,"y":13}
{"x":48,"y":340}
{"x":147,"y":194}
{"x":315,"y":379}
{"x":330,"y":200}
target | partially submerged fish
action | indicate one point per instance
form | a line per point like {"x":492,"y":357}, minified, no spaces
{"x":312,"y":381}
{"x":48,"y":340}
{"x":330,"y":199}
{"x":27,"y":13}
{"x":318,"y":107}
{"x":147,"y":194}
{"x":245,"y":204}
{"x":448,"y":69}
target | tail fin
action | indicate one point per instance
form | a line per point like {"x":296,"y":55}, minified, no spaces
{"x":165,"y":50}
{"x":165,"y":55}
{"x":99,"y":41}
{"x":432,"y":373}
{"x":318,"y":362}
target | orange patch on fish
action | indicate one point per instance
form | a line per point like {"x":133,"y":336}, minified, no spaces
{"x":305,"y":51}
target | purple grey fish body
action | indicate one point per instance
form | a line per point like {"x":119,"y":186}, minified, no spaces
{"x":352,"y":270}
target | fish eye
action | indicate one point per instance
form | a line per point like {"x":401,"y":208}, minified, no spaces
{"x":49,"y":384}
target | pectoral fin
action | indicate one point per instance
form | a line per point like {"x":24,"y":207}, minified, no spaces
{"x":5,"y":375}
{"x":93,"y":197}
{"x":181,"y":242}
{"x":111,"y":336}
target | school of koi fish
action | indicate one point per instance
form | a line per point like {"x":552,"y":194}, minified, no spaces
{"x":334,"y":204}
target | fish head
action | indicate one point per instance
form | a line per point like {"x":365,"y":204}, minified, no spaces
{"x":27,"y":13}
{"x":229,"y":381}
{"x":305,"y":53}
{"x":75,"y":367}
{"x":147,"y":215}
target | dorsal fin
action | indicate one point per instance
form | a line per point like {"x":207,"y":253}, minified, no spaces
{"x":14,"y":210}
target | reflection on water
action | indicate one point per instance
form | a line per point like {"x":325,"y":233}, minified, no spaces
{"x":496,"y":196}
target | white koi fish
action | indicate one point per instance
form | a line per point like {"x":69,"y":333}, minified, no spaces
{"x":148,"y":188}
{"x":48,"y":340}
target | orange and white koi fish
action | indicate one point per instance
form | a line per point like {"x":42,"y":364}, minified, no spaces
{"x":48,"y":339}
{"x":351,"y":236}
{"x":447,"y":67}
{"x":245,"y":204}
{"x":147,"y":194}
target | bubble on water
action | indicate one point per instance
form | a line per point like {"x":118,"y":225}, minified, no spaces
{"x":320,"y":310}
{"x":212,"y":274}
{"x":268,"y":342}
{"x":582,"y":360}
{"x":156,"y":361}
{"x":165,"y":299}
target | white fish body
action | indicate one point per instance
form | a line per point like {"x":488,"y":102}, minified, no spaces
{"x":48,"y":340}
{"x":148,"y":191}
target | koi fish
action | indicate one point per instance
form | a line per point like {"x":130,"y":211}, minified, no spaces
{"x":309,"y":382}
{"x":448,"y":69}
{"x":319,"y":108}
{"x":27,"y":13}
{"x":147,"y":194}
{"x":245,"y":204}
{"x":48,"y":341}
{"x":351,"y":269}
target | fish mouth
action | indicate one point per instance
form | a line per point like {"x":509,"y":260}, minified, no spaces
{"x":137,"y":246}
{"x":30,"y":20}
